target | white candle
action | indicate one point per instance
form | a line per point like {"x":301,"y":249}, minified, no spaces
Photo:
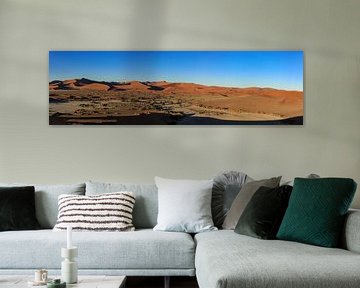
{"x":69,"y":237}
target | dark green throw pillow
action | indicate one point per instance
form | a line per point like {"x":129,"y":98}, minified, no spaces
{"x":316,"y":211}
{"x":263,"y":214}
{"x":17,"y":208}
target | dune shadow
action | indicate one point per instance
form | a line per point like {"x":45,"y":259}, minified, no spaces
{"x":214,"y":121}
{"x":162,"y":119}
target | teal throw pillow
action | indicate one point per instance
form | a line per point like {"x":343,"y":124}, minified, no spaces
{"x":316,"y":211}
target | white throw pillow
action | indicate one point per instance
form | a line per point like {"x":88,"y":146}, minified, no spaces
{"x":105,"y":212}
{"x":184,"y":205}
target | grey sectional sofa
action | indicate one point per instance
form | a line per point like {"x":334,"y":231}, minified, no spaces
{"x":226,"y":259}
{"x":219,"y":259}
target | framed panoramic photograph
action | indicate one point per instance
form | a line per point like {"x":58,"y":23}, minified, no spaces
{"x":176,"y":88}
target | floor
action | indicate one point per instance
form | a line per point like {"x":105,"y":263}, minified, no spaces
{"x":158,"y":282}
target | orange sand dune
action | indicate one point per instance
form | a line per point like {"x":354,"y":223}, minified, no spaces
{"x":70,"y":81}
{"x":76,"y":84}
{"x":95,"y":86}
{"x":159,"y":83}
{"x":136,"y":85}
{"x":186,"y":88}
{"x":130,"y":86}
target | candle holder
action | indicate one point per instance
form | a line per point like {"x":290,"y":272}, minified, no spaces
{"x":69,"y":271}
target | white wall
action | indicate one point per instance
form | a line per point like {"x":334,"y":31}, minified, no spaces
{"x":327,"y":144}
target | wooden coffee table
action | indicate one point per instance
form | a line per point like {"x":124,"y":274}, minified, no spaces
{"x":84,"y":281}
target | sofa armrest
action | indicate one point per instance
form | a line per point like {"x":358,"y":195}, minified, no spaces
{"x":351,"y":234}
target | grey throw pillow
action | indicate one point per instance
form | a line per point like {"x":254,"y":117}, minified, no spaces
{"x":46,"y":200}
{"x":310,"y":176}
{"x":184,"y":205}
{"x":226,"y":187}
{"x":242,"y":199}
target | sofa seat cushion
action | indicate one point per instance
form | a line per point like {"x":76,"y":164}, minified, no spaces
{"x":226,"y":259}
{"x":142,"y":249}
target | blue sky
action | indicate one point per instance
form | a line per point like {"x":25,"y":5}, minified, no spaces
{"x":275,"y":69}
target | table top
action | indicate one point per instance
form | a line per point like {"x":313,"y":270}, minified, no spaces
{"x":84,"y":281}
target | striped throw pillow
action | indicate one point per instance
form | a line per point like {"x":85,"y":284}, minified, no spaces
{"x":105,"y":212}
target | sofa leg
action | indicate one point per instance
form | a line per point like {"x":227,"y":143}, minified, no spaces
{"x":167,"y":282}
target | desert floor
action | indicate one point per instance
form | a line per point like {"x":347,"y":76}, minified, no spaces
{"x":171,"y":103}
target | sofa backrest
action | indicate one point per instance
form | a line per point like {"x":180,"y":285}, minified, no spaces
{"x":46,"y":200}
{"x":351,"y":237}
{"x":146,"y":203}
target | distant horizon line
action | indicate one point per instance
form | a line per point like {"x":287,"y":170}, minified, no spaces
{"x":128,"y":81}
